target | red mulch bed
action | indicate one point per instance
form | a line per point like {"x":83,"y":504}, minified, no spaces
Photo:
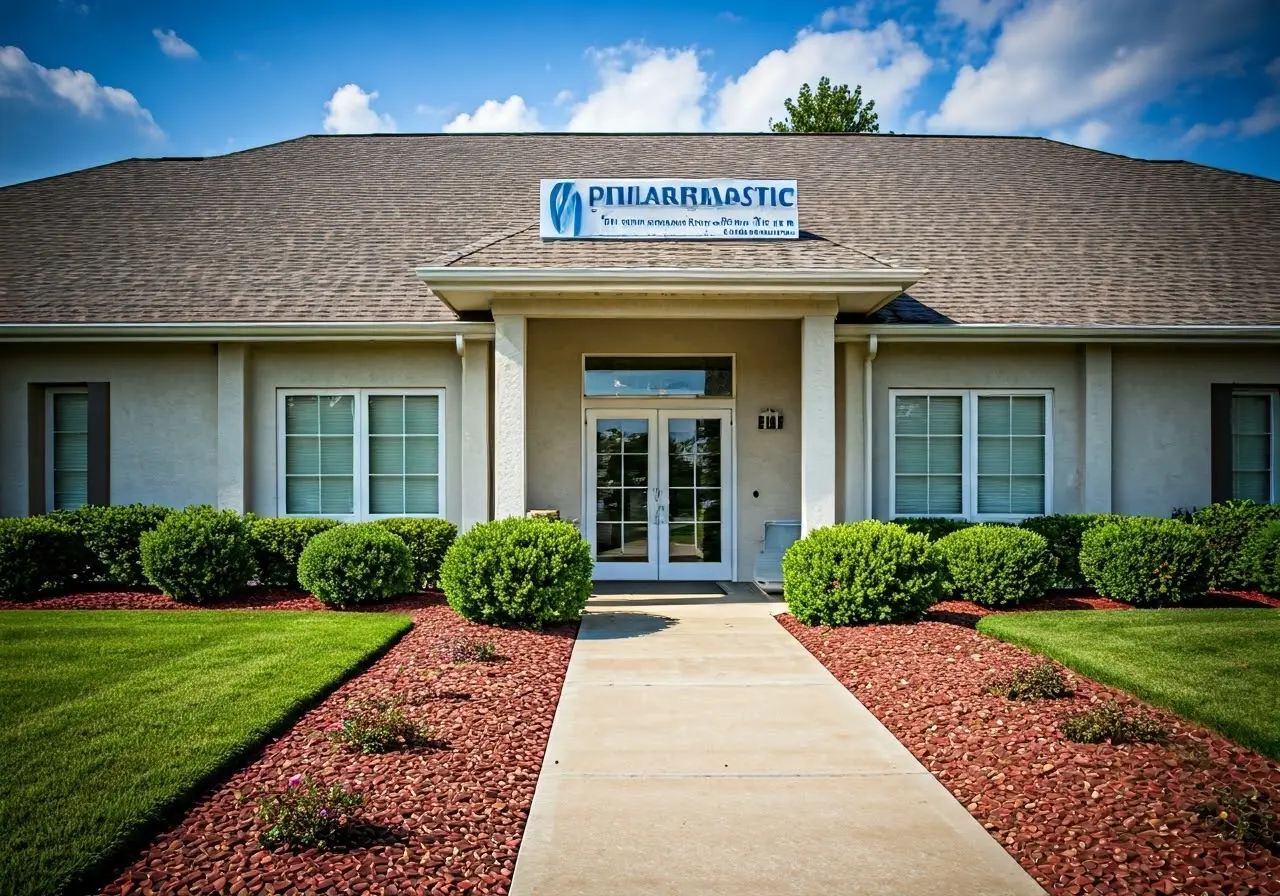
{"x":962,"y":612}
{"x":1082,"y":819}
{"x":250,"y":599}
{"x":444,"y":819}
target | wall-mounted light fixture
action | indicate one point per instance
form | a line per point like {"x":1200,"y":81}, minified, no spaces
{"x":770,"y":419}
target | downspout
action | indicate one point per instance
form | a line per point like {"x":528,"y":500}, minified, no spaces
{"x":873,"y":347}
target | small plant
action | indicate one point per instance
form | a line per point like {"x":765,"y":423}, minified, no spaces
{"x":1043,"y":681}
{"x":473,"y":650}
{"x":1109,"y":722}
{"x":1246,"y":816}
{"x":380,"y":727}
{"x":355,"y":563}
{"x":307,"y":815}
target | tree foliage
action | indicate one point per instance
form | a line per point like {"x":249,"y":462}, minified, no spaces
{"x":828,"y":110}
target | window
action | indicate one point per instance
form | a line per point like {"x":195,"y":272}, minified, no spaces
{"x":971,"y":454}
{"x":658,"y":376}
{"x":1253,"y":445}
{"x":67,"y":449}
{"x":360,"y":454}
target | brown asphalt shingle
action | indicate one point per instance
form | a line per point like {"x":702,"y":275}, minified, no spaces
{"x":1012,"y":230}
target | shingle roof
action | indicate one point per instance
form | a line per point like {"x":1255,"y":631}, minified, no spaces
{"x":1012,"y":230}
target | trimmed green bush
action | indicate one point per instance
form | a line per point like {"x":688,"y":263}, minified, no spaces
{"x":1145,"y":561}
{"x":857,"y":573}
{"x":40,"y":554}
{"x":114,"y":536}
{"x":996,"y":566}
{"x":278,"y":542}
{"x":356,"y":563}
{"x":934,"y":527}
{"x":428,"y":540}
{"x":198,"y":554}
{"x":521,"y":572}
{"x":1228,"y":526}
{"x":1063,"y":533}
{"x":1262,"y":555}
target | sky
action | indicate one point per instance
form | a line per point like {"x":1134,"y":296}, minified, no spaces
{"x":85,"y":82}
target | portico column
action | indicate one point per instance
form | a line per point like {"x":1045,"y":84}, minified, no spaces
{"x":817,"y":422}
{"x":475,"y":433}
{"x":1097,"y":428}
{"x":233,"y":362}
{"x":508,"y":415}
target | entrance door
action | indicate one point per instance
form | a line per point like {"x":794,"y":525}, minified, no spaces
{"x":659,"y":492}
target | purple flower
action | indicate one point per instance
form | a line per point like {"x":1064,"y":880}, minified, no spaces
{"x":295,"y":781}
{"x":324,"y":813}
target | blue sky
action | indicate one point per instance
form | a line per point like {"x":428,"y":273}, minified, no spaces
{"x":83,"y":82}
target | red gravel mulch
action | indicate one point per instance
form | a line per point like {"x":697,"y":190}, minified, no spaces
{"x":1082,"y":819}
{"x":441,"y":819}
{"x":963,"y":612}
{"x":250,"y":599}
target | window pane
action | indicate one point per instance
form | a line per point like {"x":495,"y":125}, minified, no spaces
{"x":945,"y":495}
{"x":302,"y":494}
{"x":337,"y":456}
{"x":422,"y":454}
{"x":70,"y":425}
{"x":945,"y":415}
{"x":911,"y":415}
{"x":945,"y":455}
{"x":422,"y":494}
{"x":1026,"y":495}
{"x":1027,"y":415}
{"x":302,"y":455}
{"x":912,"y":495}
{"x":993,"y":494}
{"x":993,"y":455}
{"x":386,"y":414}
{"x":1251,"y":414}
{"x":635,"y":505}
{"x":422,"y":414}
{"x":911,"y":455}
{"x":993,"y":415}
{"x":1028,"y":456}
{"x":337,"y":495}
{"x":386,"y":494}
{"x":1253,"y":486}
{"x":337,"y":414}
{"x":70,"y":489}
{"x":71,"y":451}
{"x":71,"y":412}
{"x":1252,"y":447}
{"x":659,"y":376}
{"x":609,"y":504}
{"x":386,"y":454}
{"x":302,"y":414}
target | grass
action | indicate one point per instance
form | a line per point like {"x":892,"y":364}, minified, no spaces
{"x":1216,"y":667}
{"x":111,"y":721}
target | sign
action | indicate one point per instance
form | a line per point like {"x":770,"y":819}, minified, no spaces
{"x":669,"y":209}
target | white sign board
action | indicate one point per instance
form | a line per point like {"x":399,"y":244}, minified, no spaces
{"x":669,"y":209}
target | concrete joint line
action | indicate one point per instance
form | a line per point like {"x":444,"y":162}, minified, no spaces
{"x":735,"y":775}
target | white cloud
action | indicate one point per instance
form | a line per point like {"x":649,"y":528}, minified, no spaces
{"x":563,"y":98}
{"x":510,"y":115}
{"x":350,"y":111}
{"x":643,"y":89}
{"x":980,"y":15}
{"x":1091,"y":134}
{"x":20,"y":78}
{"x":856,"y":16}
{"x":887,"y":65}
{"x":1264,"y":118}
{"x":173,"y":46}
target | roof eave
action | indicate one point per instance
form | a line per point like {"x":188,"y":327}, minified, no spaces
{"x":1015,"y":332}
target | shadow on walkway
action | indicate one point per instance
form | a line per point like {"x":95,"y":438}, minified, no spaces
{"x":614,"y":626}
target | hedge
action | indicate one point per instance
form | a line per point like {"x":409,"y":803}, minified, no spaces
{"x":356,"y":563}
{"x":1063,"y":532}
{"x":1228,"y":526}
{"x":934,"y":527}
{"x":114,"y":536}
{"x":278,"y":543}
{"x":40,"y":554}
{"x":199,"y":554}
{"x":427,"y":540}
{"x":996,"y":566}
{"x":1262,"y":557}
{"x":1145,"y":561}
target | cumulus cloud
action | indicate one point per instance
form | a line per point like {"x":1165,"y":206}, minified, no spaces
{"x":20,"y":78}
{"x":980,"y":15}
{"x":643,"y":89}
{"x":173,"y":46}
{"x":1264,"y":118}
{"x":350,"y":111}
{"x":509,"y":115}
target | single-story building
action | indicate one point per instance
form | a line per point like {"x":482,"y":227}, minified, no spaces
{"x":673,"y":339}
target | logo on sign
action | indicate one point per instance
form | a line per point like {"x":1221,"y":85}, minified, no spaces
{"x":565,"y":208}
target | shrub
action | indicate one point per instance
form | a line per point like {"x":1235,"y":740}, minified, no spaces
{"x":278,"y":543}
{"x":428,"y":540}
{"x":1111,"y":723}
{"x":522,"y":572}
{"x":472,"y":650}
{"x":307,"y":815}
{"x":114,"y":536}
{"x":933,"y":527}
{"x":355,"y":564}
{"x":198,"y":554}
{"x":1145,"y":561}
{"x":380,"y":727}
{"x":1262,"y":557}
{"x":1245,"y":816}
{"x":1063,"y":533}
{"x":1043,"y":681}
{"x":39,"y":554}
{"x":995,"y":566}
{"x":1228,"y":526}
{"x":860,"y":572}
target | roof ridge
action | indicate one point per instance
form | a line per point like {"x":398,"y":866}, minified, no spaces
{"x":449,"y":258}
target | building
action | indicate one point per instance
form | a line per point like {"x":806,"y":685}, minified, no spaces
{"x":365,"y":326}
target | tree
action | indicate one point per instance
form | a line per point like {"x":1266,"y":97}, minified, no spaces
{"x":829,"y":110}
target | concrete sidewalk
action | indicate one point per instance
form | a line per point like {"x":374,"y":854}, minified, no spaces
{"x":698,"y":748}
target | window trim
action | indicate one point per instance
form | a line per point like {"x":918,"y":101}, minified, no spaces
{"x":1273,"y":395}
{"x":360,"y":456}
{"x":50,"y":495}
{"x":969,"y":449}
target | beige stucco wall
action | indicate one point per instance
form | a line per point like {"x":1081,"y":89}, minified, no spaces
{"x":163,"y":417}
{"x":1160,"y":419}
{"x":413,"y":365}
{"x":768,"y":375}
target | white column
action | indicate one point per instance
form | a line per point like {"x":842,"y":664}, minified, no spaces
{"x":817,"y":422}
{"x":475,"y":434}
{"x":855,"y":485}
{"x":1097,"y":428}
{"x":509,"y":484}
{"x":233,"y":363}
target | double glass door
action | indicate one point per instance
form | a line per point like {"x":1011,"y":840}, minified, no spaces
{"x":658,"y":493}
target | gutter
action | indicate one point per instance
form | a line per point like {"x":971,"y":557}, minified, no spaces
{"x":433,"y":331}
{"x":873,"y":348}
{"x":1264,"y":333}
{"x":760,"y":280}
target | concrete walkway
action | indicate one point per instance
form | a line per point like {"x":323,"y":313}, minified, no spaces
{"x":698,"y":748}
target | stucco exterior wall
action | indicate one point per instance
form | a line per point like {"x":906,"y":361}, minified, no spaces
{"x":415,"y":365}
{"x":1160,"y":420}
{"x":768,"y":375}
{"x":164,"y":424}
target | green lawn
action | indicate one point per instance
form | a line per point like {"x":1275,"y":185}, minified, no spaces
{"x":1217,"y":667}
{"x":109,"y":720}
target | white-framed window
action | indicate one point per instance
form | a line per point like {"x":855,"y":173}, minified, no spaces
{"x":360,"y":453}
{"x":66,"y":448}
{"x":1254,"y":418}
{"x":979,"y":454}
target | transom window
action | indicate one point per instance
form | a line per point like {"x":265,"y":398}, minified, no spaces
{"x":971,"y":454}
{"x":67,"y":447}
{"x":1253,"y":445}
{"x":658,"y":376}
{"x":360,"y":454}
